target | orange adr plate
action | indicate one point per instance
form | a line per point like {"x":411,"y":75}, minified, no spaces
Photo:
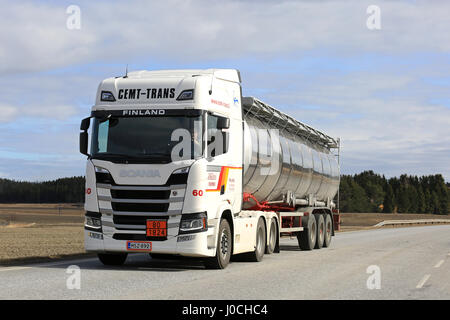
{"x":156,"y":228}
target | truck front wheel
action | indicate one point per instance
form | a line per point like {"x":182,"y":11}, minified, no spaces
{"x":307,"y":237}
{"x":223,"y":251}
{"x":112,"y":259}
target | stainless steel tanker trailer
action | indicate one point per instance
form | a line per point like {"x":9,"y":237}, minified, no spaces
{"x":181,"y":164}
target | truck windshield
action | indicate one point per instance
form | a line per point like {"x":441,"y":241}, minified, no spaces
{"x":147,"y":139}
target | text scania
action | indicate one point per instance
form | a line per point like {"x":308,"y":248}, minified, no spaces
{"x":140,"y":173}
{"x":150,"y":93}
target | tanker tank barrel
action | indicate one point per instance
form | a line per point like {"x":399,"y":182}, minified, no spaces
{"x":301,"y":162}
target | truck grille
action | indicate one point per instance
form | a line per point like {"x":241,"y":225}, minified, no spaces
{"x":140,"y":194}
{"x":129,"y":206}
{"x":131,"y":220}
{"x":139,"y":207}
{"x":130,"y":236}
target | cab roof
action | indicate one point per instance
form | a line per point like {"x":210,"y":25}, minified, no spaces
{"x":224,"y":74}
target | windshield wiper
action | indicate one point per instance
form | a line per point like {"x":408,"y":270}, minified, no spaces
{"x":155,"y":154}
{"x":159,"y":157}
{"x":110,"y":154}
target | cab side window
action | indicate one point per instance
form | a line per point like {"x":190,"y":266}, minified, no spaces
{"x":218,"y":138}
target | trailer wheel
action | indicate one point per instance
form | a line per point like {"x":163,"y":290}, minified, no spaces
{"x":307,"y":237}
{"x":223,"y":252}
{"x":328,"y":230}
{"x":112,"y":259}
{"x":320,"y":230}
{"x":272,"y":237}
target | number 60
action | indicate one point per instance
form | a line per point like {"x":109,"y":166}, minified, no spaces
{"x":196,"y":193}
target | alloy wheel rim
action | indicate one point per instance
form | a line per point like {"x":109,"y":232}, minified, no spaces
{"x":224,"y":244}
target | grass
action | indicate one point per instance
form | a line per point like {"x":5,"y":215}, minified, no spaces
{"x":33,"y":232}
{"x":361,"y":221}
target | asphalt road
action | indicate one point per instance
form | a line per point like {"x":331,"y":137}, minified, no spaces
{"x":413,"y":263}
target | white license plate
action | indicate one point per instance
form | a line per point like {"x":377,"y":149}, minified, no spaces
{"x":139,"y":246}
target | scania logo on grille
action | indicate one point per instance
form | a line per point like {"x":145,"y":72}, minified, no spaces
{"x":140,"y":173}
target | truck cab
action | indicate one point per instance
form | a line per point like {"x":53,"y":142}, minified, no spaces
{"x":164,"y":167}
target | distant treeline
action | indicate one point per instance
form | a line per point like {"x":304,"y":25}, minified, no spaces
{"x":363,"y":192}
{"x":65,"y":190}
{"x":370,"y":192}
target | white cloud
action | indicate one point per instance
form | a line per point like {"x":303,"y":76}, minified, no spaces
{"x":7,"y":113}
{"x":35,"y":37}
{"x":382,"y":120}
{"x":384,"y":114}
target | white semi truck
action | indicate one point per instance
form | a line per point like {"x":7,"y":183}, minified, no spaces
{"x":180,"y":163}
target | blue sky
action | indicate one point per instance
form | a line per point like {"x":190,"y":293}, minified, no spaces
{"x":385,"y":93}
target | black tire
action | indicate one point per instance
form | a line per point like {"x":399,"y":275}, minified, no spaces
{"x":307,"y":238}
{"x":320,"y":230}
{"x":328,"y":231}
{"x":260,"y":245}
{"x":272,"y":237}
{"x":112,"y":259}
{"x":224,"y":247}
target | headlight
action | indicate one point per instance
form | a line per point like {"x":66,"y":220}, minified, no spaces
{"x":193,"y":222}
{"x":92,"y":222}
{"x":102,"y":175}
{"x":101,"y":170}
{"x":181,"y":170}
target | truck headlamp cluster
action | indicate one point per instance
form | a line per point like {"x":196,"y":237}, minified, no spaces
{"x":92,"y":222}
{"x":101,"y":170}
{"x":107,"y":96}
{"x":181,"y":170}
{"x":193,"y":222}
{"x":186,"y":95}
{"x":102,"y":175}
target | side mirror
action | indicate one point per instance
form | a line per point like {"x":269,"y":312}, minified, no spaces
{"x":84,"y":137}
{"x":85,"y":123}
{"x":223,"y":123}
{"x":84,"y":143}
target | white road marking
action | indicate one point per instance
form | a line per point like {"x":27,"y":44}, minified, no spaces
{"x":439,"y":264}
{"x":13,"y":268}
{"x":69,"y":262}
{"x":422,"y":282}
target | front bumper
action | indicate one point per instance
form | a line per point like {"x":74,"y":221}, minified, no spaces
{"x":200,"y":244}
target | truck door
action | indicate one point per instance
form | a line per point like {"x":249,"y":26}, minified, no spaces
{"x":224,"y":156}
